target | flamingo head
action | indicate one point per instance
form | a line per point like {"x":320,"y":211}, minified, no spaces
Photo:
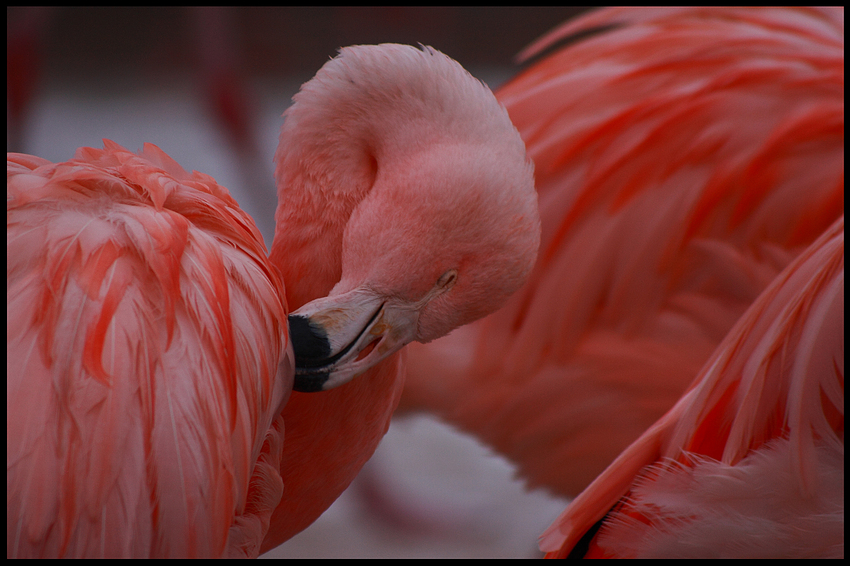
{"x":406,"y":191}
{"x":440,"y":241}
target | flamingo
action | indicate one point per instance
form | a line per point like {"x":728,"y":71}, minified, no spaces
{"x":683,"y":158}
{"x":750,"y":461}
{"x":152,"y":346}
{"x":147,"y":350}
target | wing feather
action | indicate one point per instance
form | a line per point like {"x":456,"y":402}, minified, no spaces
{"x":146,"y":331}
{"x":766,"y":412}
{"x":683,"y":157}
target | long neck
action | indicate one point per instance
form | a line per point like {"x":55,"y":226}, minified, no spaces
{"x":323,"y":170}
{"x":326,"y":165}
{"x":364,"y":115}
{"x":328,"y":437}
{"x":319,"y":185}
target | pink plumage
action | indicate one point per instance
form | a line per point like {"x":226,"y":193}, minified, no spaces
{"x":690,"y":169}
{"x":750,"y":462}
{"x":139,"y":299}
{"x":150,"y":363}
{"x":683,"y":157}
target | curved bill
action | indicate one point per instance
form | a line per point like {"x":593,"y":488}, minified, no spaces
{"x":336,"y":338}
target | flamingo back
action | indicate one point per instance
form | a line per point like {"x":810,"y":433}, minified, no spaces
{"x":144,"y":327}
{"x":750,"y":462}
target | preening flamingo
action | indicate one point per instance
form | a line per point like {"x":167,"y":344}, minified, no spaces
{"x":750,"y":462}
{"x":683,"y":158}
{"x":148,"y":355}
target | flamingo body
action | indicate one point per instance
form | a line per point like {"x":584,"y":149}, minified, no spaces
{"x":750,"y":462}
{"x":139,"y":300}
{"x":683,"y":157}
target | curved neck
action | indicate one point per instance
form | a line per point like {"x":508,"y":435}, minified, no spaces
{"x":328,"y":438}
{"x":361,"y":113}
{"x":366,"y":116}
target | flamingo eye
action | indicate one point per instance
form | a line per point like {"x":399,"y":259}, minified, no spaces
{"x":447,"y":280}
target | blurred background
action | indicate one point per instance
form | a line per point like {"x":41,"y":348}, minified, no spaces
{"x":208,"y":86}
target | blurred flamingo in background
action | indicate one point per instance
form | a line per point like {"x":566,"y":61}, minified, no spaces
{"x":149,"y":363}
{"x":750,"y":462}
{"x":683,"y":158}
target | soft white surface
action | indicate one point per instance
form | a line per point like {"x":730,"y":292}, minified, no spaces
{"x":464,"y":498}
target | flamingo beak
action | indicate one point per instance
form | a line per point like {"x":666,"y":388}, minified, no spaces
{"x":339,"y":337}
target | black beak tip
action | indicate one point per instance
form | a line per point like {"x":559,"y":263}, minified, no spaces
{"x":310,"y":383}
{"x":312,"y":350}
{"x":309,"y":340}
